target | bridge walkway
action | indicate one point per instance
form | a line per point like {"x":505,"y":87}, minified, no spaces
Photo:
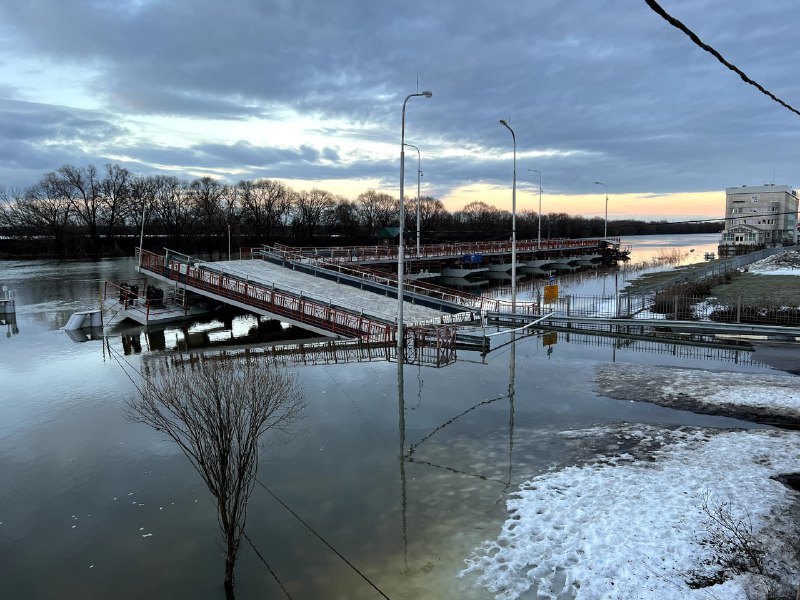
{"x":453,"y":250}
{"x":299,"y":298}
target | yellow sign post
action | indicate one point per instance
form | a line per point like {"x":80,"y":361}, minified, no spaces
{"x":550,"y":294}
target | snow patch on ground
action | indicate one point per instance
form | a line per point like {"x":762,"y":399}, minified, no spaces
{"x":635,"y":528}
{"x":782,"y":263}
{"x":637,"y":522}
{"x":761,"y":397}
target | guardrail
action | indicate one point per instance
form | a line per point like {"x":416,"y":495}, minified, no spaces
{"x":132,"y":297}
{"x":305,"y":311}
{"x":389,"y":280}
{"x":713,"y":269}
{"x":756,"y":311}
{"x":340,"y":254}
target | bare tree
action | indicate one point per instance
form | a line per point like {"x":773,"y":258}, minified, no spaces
{"x":264,"y":203}
{"x":310,"y":208}
{"x":81,"y":187}
{"x":376,"y":210}
{"x":171,"y":212}
{"x":342,"y":220}
{"x":205,"y":196}
{"x":483,"y":218}
{"x":141,"y":191}
{"x":116,"y":206}
{"x":43,"y":211}
{"x":432,"y":213}
{"x":216,"y":411}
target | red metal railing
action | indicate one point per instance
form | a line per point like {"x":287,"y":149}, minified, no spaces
{"x":303,"y":310}
{"x":468,"y":301}
{"x":137,"y":300}
{"x":431,"y":251}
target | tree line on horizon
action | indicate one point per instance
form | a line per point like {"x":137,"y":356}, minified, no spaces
{"x":86,"y":211}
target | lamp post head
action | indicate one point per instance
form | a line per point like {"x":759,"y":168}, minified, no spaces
{"x":505,"y":124}
{"x":599,"y":183}
{"x":426,"y":93}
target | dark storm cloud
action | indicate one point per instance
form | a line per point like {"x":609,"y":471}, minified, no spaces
{"x":34,"y":123}
{"x":612,"y":88}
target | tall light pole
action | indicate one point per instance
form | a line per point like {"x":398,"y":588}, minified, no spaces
{"x":539,"y":241}
{"x":401,"y":258}
{"x":605,"y":223}
{"x":141,"y":235}
{"x":419,"y":174}
{"x":513,"y":222}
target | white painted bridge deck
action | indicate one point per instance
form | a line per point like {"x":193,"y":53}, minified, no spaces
{"x":324,"y":290}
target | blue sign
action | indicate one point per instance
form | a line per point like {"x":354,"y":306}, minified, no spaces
{"x":551,"y":280}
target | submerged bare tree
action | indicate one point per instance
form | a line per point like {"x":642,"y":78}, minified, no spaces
{"x":216,"y":411}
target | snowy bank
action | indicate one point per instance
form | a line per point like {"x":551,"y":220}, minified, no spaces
{"x":635,"y":527}
{"x":783,"y":263}
{"x":771,"y":399}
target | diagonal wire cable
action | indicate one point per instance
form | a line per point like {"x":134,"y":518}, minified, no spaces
{"x":696,"y":39}
{"x":114,"y":353}
{"x":322,"y":539}
{"x":266,"y":564}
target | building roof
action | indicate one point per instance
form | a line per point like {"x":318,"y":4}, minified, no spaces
{"x":760,"y":189}
{"x":388,"y":233}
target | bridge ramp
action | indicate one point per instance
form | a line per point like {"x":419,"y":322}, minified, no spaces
{"x":324,"y":291}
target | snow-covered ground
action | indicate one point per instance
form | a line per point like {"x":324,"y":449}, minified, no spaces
{"x":756,"y":397}
{"x":646,"y":524}
{"x":783,"y":263}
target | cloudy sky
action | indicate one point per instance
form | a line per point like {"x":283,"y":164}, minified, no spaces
{"x":311,"y":91}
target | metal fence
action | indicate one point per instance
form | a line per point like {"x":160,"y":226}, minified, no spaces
{"x":720,"y":267}
{"x":651,"y":305}
{"x":696,"y":351}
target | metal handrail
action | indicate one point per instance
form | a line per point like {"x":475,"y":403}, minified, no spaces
{"x":277,"y":301}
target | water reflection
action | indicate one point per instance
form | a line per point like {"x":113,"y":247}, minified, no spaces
{"x":231,"y":329}
{"x":217,"y":412}
{"x":710,"y":349}
{"x":9,"y":321}
{"x":401,"y":404}
{"x":512,"y":369}
{"x":66,"y":449}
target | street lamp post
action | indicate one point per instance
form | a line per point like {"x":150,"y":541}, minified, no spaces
{"x":504,"y":123}
{"x":539,"y":241}
{"x":419,"y":174}
{"x":605,"y":223}
{"x":141,"y":235}
{"x":401,"y":259}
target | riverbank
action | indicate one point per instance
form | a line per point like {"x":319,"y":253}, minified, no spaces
{"x":683,"y":513}
{"x":767,"y":399}
{"x":776,"y":277}
{"x":702,"y":516}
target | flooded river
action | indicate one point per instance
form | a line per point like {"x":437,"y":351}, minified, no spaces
{"x":94,"y":506}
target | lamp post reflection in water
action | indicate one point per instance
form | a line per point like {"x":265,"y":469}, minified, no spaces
{"x":401,"y":403}
{"x":512,"y":365}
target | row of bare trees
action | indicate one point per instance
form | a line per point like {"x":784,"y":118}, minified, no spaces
{"x":104,"y":209}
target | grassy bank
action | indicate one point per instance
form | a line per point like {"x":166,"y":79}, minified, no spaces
{"x":781,"y":290}
{"x":648,"y":279}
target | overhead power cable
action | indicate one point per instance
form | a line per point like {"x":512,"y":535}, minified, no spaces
{"x":696,"y":39}
{"x":322,"y":539}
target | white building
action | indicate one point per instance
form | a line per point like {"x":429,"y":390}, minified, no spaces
{"x":757,"y":217}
